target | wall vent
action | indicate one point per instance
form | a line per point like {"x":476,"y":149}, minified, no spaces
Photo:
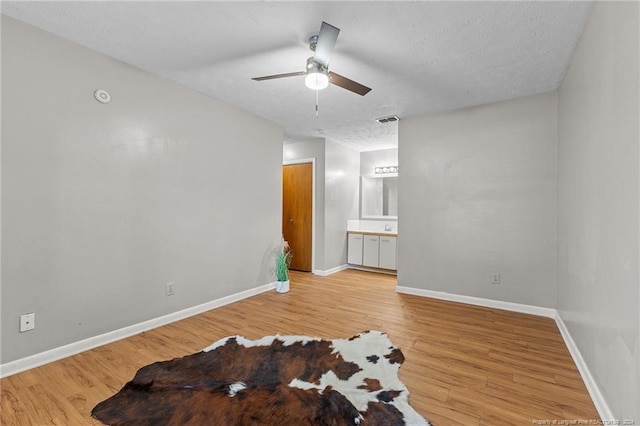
{"x":389,"y":119}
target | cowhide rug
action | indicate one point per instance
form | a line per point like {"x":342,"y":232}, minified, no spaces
{"x":277,"y":380}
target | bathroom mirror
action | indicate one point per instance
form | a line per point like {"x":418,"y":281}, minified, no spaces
{"x":379,"y":197}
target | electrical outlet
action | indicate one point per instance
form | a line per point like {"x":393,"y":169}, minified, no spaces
{"x":27,"y":322}
{"x":495,"y":278}
{"x":171,"y":289}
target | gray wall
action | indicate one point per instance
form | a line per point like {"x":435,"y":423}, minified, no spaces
{"x":477,"y":194}
{"x":342,"y":167}
{"x":105,"y":204}
{"x":312,"y":149}
{"x":599,"y":295}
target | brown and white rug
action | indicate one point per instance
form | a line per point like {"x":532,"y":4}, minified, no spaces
{"x":275,"y":380}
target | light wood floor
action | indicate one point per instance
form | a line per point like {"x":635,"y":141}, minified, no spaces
{"x":464,"y":365}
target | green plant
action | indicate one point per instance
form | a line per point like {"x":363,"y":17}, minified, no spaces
{"x":283,"y":260}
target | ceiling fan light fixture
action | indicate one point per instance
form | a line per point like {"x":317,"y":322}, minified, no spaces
{"x":316,"y":80}
{"x":317,"y":77}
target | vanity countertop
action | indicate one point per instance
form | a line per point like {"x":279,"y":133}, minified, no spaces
{"x":357,"y":231}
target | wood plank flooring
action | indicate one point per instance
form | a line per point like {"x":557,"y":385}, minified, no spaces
{"x":465,"y":365}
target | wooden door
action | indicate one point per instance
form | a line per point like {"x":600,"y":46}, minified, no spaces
{"x":297,"y":194}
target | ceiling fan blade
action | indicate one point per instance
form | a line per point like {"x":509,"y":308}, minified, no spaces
{"x":271,"y":77}
{"x":348,"y":84}
{"x":326,"y":41}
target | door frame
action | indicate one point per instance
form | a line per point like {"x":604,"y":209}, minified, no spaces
{"x":313,"y":204}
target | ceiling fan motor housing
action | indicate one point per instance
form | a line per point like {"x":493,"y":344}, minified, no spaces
{"x":313,"y":66}
{"x":313,"y":42}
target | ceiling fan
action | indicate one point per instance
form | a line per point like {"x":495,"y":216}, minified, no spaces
{"x":317,"y":74}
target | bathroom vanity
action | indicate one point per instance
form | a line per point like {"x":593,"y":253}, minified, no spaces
{"x":372,"y":245}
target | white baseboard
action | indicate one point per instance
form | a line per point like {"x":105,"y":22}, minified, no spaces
{"x":55,"y":354}
{"x":594,"y":391}
{"x":478,"y":301}
{"x":36,"y":360}
{"x":330,"y":271}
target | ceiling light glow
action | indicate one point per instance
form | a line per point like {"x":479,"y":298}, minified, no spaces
{"x":316,"y":80}
{"x":317,"y":77}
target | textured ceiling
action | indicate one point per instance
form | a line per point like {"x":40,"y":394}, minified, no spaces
{"x":418,"y":57}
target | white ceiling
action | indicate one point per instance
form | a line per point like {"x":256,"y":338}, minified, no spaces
{"x":418,"y":57}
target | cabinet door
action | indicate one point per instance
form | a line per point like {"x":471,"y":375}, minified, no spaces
{"x":370,"y":251}
{"x":388,"y":253}
{"x":354,"y":249}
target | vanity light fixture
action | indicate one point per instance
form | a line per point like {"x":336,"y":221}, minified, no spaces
{"x":384,"y":170}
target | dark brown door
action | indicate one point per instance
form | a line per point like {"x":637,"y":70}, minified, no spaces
{"x":297,"y":193}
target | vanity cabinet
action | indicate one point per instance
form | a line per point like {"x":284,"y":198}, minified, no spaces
{"x":372,"y":250}
{"x":354,"y":249}
{"x":387,"y":254}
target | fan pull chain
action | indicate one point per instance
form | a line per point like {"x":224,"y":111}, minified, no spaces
{"x":317,"y":92}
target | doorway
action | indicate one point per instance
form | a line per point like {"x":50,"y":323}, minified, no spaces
{"x":297,"y":213}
